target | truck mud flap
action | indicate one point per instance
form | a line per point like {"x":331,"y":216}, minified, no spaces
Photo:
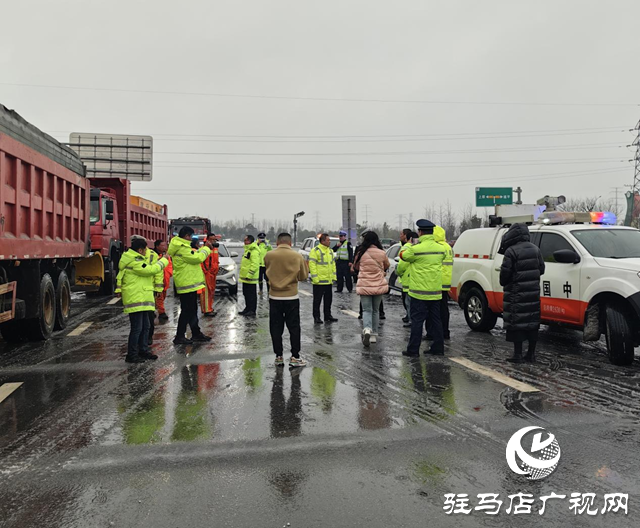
{"x":592,"y":329}
{"x":8,"y":301}
{"x":89,"y":273}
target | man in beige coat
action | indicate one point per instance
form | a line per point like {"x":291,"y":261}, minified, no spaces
{"x":284,"y":267}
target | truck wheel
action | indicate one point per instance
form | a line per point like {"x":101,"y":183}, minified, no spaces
{"x":63,"y":301}
{"x":477,"y":313}
{"x":233,"y":290}
{"x":13,"y":331}
{"x":619,"y":337}
{"x":41,"y":328}
{"x":108,"y":287}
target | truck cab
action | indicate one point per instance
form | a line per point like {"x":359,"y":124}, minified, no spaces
{"x":591,"y":281}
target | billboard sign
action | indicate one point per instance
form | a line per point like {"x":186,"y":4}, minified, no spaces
{"x":490,"y":196}
{"x":114,"y":155}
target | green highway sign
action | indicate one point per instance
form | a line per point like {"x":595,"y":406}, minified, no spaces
{"x":490,"y":196}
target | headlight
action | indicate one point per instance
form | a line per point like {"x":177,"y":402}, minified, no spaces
{"x":229,"y":268}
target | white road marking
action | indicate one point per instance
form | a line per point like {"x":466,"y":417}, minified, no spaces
{"x":80,"y":329}
{"x":351,"y":313}
{"x":114,"y":300}
{"x":6,"y":389}
{"x":497,"y":376}
{"x":306,"y":293}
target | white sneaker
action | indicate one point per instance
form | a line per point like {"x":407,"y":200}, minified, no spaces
{"x":366,"y":336}
{"x":373,"y":338}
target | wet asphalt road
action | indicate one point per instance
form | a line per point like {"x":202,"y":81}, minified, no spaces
{"x":215,"y":435}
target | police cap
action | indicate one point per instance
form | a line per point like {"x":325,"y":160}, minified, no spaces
{"x":262,"y":235}
{"x":342,"y":233}
{"x":424,"y":225}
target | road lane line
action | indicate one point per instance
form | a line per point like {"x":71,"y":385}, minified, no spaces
{"x":494,"y":375}
{"x":306,"y":293}
{"x":80,"y":329}
{"x":351,"y":313}
{"x":7,"y":389}
{"x":114,"y":300}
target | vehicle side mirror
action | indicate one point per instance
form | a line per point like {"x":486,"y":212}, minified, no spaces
{"x":109,"y":216}
{"x":566,"y":256}
{"x":233,"y":254}
{"x":109,"y":207}
{"x":397,"y":259}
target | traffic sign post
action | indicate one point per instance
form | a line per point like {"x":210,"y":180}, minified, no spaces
{"x":490,"y":196}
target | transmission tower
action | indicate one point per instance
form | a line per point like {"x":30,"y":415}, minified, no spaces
{"x":635,"y":190}
{"x":366,"y":214}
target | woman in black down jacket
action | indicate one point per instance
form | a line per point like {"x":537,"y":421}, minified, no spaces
{"x":520,"y":276}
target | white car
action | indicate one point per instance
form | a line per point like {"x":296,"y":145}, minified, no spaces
{"x":227,"y":278}
{"x":393,"y":255}
{"x":591,"y":281}
{"x":309,"y":243}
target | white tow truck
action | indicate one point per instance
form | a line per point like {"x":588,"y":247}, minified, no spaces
{"x":591,"y":282}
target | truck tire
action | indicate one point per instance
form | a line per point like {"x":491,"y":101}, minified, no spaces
{"x":13,"y":331}
{"x":108,"y":287}
{"x":477,"y":313}
{"x":63,"y":301}
{"x":233,"y":290}
{"x":619,"y":336}
{"x":41,"y":327}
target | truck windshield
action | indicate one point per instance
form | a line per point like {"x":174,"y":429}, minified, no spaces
{"x":198,"y":229}
{"x":610,"y":243}
{"x":94,"y":212}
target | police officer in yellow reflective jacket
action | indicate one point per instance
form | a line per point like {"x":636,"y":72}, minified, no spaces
{"x":249,"y":274}
{"x":344,"y":260}
{"x":188,"y":279}
{"x":322,"y":270}
{"x":425,"y":288}
{"x":439,"y":236}
{"x":264,"y":247}
{"x":403,"y":272}
{"x":135,"y":285}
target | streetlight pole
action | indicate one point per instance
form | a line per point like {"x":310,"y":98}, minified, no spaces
{"x":295,"y":227}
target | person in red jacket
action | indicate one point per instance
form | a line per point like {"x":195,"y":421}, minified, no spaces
{"x":210,"y":268}
{"x":160,"y":247}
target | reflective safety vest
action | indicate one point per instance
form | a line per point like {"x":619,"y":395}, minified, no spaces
{"x":187,"y":273}
{"x":263,"y":249}
{"x":447,"y":264}
{"x":403,"y":271}
{"x":342,"y":253}
{"x":135,"y":281}
{"x":250,"y":265}
{"x":426,"y":258}
{"x":322,"y":265}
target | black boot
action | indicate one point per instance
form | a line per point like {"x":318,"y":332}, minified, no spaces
{"x":531,"y":353}
{"x":317,"y":320}
{"x":134,"y":358}
{"x":517,"y":353}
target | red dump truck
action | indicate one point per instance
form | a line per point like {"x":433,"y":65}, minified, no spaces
{"x":52,"y":239}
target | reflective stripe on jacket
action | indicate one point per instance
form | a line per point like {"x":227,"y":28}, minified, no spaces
{"x":343,"y":252}
{"x":187,"y":273}
{"x":426,"y":259}
{"x":322,"y":265}
{"x":439,"y":236}
{"x":250,"y":265}
{"x":158,"y":279}
{"x":135,"y":281}
{"x":403,"y":271}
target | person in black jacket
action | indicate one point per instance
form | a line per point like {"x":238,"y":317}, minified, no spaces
{"x":520,"y":276}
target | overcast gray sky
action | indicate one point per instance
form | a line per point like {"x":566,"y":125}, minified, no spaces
{"x":415,"y":77}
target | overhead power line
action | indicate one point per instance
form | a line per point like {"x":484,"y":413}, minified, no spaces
{"x":373,"y":187}
{"x":319,"y":99}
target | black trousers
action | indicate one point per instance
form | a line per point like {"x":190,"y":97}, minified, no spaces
{"x":250,"y":292}
{"x":344,"y":275}
{"x":263,"y":275}
{"x":444,"y":314}
{"x":138,"y":334}
{"x":188,"y":314}
{"x":152,"y":323}
{"x":322,"y":291}
{"x":283,"y":313}
{"x":429,"y":311}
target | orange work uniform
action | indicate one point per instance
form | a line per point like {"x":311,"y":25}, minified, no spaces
{"x":168,"y":273}
{"x":210,"y":268}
